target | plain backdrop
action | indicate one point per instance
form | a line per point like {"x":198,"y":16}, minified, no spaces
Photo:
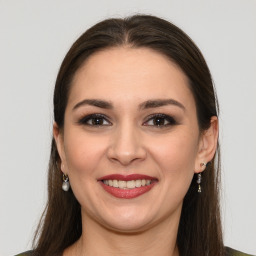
{"x":34,"y":37}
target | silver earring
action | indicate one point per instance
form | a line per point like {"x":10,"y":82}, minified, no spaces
{"x":199,"y":180}
{"x":65,"y":183}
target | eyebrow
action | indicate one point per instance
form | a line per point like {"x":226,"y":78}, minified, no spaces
{"x":144,"y":105}
{"x":94,"y":102}
{"x":160,"y":103}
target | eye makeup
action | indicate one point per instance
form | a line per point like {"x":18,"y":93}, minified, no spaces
{"x":94,"y":120}
{"x":160,"y":120}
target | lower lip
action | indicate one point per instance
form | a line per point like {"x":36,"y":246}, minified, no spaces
{"x":127,"y":193}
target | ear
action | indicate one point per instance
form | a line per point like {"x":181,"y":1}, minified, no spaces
{"x":207,"y":145}
{"x":59,"y":141}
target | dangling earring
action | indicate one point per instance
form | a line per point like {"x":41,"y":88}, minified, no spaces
{"x":65,"y":183}
{"x":199,"y":180}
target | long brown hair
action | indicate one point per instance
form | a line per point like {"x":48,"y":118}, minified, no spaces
{"x":199,"y":231}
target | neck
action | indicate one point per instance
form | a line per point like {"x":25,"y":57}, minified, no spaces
{"x":97,"y":240}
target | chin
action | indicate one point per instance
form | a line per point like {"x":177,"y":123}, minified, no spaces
{"x":130,"y":226}
{"x":127,"y":221}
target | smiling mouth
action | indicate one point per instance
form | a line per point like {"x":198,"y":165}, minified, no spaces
{"x":122,"y":184}
{"x":127,"y":187}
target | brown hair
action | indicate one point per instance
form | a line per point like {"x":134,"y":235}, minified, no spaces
{"x":200,"y":228}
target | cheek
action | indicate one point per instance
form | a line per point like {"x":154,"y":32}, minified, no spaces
{"x":175,"y":157}
{"x":83,"y":152}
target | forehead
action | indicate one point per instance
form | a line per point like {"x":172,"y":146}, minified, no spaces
{"x":130,"y":74}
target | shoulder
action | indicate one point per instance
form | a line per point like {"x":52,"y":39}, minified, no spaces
{"x":28,"y":253}
{"x":232,"y":252}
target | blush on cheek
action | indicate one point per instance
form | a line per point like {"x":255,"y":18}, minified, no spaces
{"x":83,"y":152}
{"x":177,"y":164}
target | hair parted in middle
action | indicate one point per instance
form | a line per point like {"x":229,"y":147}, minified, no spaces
{"x":199,"y":231}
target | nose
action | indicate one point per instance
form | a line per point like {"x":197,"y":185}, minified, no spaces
{"x":126,"y":146}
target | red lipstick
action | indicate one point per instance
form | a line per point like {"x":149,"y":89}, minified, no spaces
{"x":127,"y":177}
{"x":127,"y":193}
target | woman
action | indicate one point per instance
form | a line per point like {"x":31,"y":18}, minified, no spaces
{"x":135,"y":146}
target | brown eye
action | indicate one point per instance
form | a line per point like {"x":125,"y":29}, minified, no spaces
{"x":95,"y":120}
{"x":160,"y":120}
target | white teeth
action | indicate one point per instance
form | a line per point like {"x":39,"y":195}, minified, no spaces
{"x":138,"y":183}
{"x":127,"y":184}
{"x":130,"y":184}
{"x":115,"y":183}
{"x":122,"y":184}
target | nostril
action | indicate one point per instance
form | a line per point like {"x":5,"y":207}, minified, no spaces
{"x":126,"y":157}
{"x":126,"y":145}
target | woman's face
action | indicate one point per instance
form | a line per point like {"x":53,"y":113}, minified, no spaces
{"x":131,"y":141}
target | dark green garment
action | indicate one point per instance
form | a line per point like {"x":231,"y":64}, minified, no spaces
{"x":229,"y":252}
{"x":28,"y":253}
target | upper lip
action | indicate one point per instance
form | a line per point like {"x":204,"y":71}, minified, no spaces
{"x":127,"y":177}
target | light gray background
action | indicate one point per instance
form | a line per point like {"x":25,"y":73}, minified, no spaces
{"x":34,"y":37}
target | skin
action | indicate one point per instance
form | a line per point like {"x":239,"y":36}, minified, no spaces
{"x":128,"y":141}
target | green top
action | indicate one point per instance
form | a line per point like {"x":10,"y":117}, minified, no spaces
{"x":229,"y":252}
{"x":232,"y":252}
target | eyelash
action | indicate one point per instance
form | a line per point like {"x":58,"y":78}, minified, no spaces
{"x":101,"y":119}
{"x":168,"y":120}
{"x":85,"y":120}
